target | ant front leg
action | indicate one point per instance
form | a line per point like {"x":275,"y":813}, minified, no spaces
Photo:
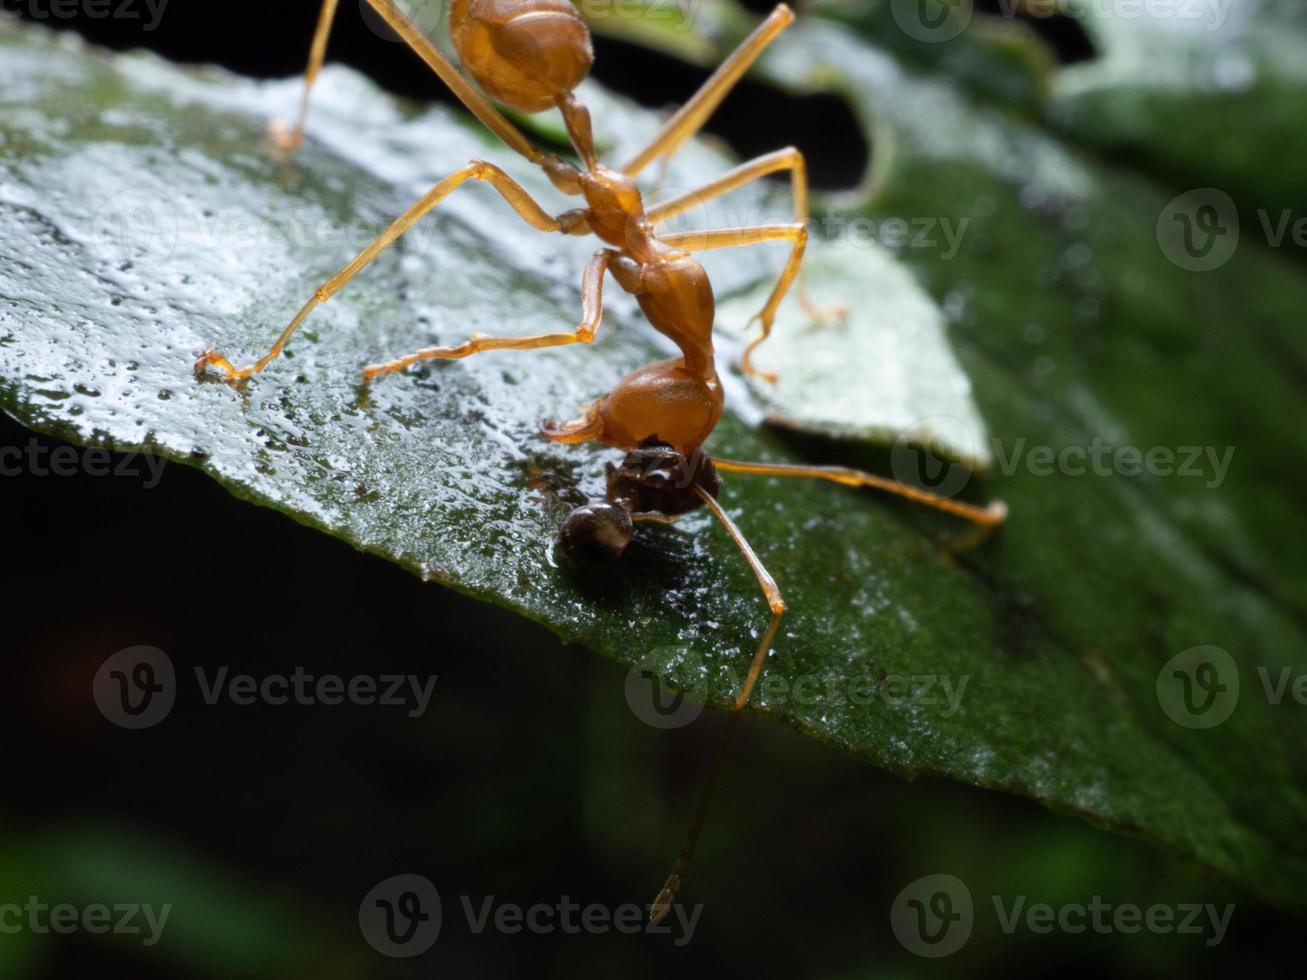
{"x":592,"y":305}
{"x":288,"y":141}
{"x":689,"y":119}
{"x":797,"y":234}
{"x":511,"y":191}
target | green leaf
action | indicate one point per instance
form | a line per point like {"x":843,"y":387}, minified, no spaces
{"x":998,"y":58}
{"x":1171,"y":80}
{"x":144,"y":224}
{"x":871,"y":372}
{"x":1077,"y":326}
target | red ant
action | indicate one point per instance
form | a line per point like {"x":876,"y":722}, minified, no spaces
{"x":530,"y":55}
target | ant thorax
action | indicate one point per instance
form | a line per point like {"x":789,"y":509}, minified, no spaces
{"x":616,"y":210}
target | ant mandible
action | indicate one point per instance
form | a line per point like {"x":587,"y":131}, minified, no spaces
{"x":530,"y":55}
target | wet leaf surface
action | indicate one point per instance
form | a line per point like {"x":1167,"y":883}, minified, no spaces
{"x":140,"y":222}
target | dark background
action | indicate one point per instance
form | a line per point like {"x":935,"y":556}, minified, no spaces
{"x":529,"y":778}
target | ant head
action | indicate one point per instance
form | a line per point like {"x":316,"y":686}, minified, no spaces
{"x":654,"y":477}
{"x":596,"y":532}
{"x":527,"y":54}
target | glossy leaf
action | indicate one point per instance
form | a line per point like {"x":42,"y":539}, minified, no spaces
{"x":144,"y":223}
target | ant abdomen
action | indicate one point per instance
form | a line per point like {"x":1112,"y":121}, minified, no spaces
{"x":526,"y":54}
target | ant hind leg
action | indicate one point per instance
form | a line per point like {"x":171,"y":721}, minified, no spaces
{"x":777,"y":605}
{"x":988,"y":517}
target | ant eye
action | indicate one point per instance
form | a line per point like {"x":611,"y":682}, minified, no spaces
{"x":596,"y":532}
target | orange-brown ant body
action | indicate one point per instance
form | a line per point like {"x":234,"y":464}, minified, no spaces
{"x":530,"y":55}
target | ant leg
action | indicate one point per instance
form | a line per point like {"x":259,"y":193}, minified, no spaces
{"x":990,"y":516}
{"x":689,"y":119}
{"x":746,"y":173}
{"x":288,"y":142}
{"x":777,"y":604}
{"x":655,"y":518}
{"x":476,"y":170}
{"x":769,"y":589}
{"x":790,"y":159}
{"x":592,"y":304}
{"x":696,"y":241}
{"x":476,"y":103}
